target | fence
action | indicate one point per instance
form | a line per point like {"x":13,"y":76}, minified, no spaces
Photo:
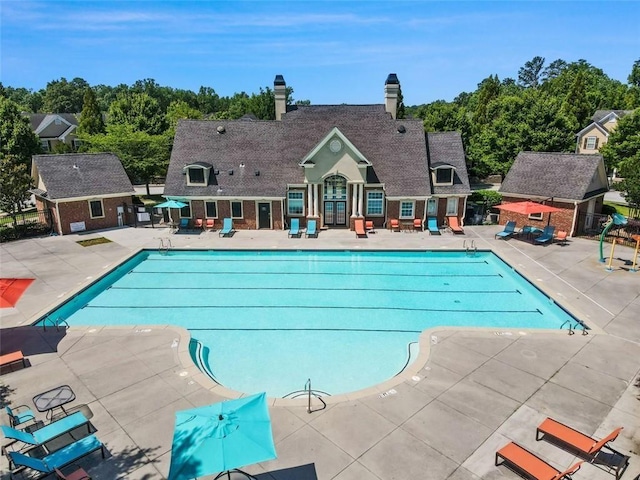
{"x":141,"y":216}
{"x":592,"y":225}
{"x":26,"y":224}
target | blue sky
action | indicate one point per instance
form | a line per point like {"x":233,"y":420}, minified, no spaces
{"x":329,"y":52}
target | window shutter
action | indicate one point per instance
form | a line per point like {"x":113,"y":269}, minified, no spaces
{"x":584,"y":144}
{"x":596,"y":146}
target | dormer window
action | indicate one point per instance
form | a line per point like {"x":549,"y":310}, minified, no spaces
{"x":443,"y":174}
{"x":197,"y":174}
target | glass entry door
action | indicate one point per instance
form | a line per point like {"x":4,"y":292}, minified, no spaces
{"x":335,"y":213}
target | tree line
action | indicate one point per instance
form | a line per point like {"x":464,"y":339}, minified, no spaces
{"x":541,"y":110}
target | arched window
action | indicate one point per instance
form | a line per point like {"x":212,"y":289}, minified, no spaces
{"x":335,"y":188}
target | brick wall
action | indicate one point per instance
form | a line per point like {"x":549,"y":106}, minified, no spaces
{"x":561,"y":220}
{"x":78,"y":211}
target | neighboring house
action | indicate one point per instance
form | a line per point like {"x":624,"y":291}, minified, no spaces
{"x":596,"y":134}
{"x":86,"y":191}
{"x":331,"y":163}
{"x":569,"y":181}
{"x":55,"y":128}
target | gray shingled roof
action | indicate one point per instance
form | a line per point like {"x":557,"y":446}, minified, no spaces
{"x":51,"y":130}
{"x":559,"y":175}
{"x":446,"y":148}
{"x":600,"y":114}
{"x":82,"y":175}
{"x":274,"y":148}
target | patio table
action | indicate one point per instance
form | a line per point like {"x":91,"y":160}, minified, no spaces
{"x":55,"y":398}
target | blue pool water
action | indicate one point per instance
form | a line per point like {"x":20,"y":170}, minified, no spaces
{"x":347,"y":320}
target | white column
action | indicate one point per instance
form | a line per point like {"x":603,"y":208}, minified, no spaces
{"x":360,"y":199}
{"x":354,"y":200}
{"x":315,"y":200}
{"x":309,"y":198}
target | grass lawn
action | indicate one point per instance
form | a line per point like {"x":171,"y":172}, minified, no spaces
{"x":621,"y":209}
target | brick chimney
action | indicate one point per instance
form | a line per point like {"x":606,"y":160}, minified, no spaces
{"x":391,"y":89}
{"x":280,"y":91}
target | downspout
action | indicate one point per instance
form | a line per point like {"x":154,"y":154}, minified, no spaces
{"x":424,"y":216}
{"x":282,"y":213}
{"x":575,"y":214}
{"x":58,"y":219}
{"x":464,"y":209}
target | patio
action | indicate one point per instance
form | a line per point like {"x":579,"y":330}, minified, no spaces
{"x":479,"y":390}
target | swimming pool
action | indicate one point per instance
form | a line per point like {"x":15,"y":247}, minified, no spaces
{"x":347,"y":320}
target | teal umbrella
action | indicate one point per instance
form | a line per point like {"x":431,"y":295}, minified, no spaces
{"x":221,"y":437}
{"x":171,"y":204}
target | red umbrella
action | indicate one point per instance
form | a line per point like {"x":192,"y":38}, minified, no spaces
{"x":11,"y":289}
{"x":527,"y":208}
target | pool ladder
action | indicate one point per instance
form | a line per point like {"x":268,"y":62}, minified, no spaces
{"x":309,"y":392}
{"x":56,"y":323}
{"x":572,"y":329}
{"x":165,"y":246}
{"x":470,"y":248}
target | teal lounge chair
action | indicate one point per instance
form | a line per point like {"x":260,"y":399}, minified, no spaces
{"x":432,"y":226}
{"x":227,"y":227}
{"x":509,"y":229}
{"x":547,"y":235}
{"x":19,"y":415}
{"x":311,"y":229}
{"x":48,"y":432}
{"x":184,"y":224}
{"x":58,"y":459}
{"x":294,"y":230}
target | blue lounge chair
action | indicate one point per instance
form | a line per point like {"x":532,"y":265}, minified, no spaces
{"x":547,"y":235}
{"x":294,"y":231}
{"x":509,"y":229}
{"x":432,"y":225}
{"x":21,"y":414}
{"x":227,"y":227}
{"x":184,"y":224}
{"x":58,"y":459}
{"x":311,"y":229}
{"x":48,"y":432}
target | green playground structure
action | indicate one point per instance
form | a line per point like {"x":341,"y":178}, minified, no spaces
{"x":616,"y":220}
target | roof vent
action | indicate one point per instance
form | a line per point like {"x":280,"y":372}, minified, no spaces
{"x":241,"y":164}
{"x":220,"y":129}
{"x":257,"y":172}
{"x":231,"y":172}
{"x":401,"y":129}
{"x":216,"y":172}
{"x":75,"y":166}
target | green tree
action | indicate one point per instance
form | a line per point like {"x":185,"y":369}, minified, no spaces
{"x":16,"y":137}
{"x":576,"y":106}
{"x":530,"y":74}
{"x":91,"y":117}
{"x":553,"y":70}
{"x":143,"y":156}
{"x":15,"y":183}
{"x":139,"y":110}
{"x":634,"y":76}
{"x":622,"y":151}
{"x":27,"y":100}
{"x":178,"y":110}
{"x":488,"y":90}
{"x":61,"y":96}
{"x":400,"y":111}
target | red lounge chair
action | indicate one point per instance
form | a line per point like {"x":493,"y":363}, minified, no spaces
{"x":359,"y":228}
{"x":395,"y":225}
{"x":534,"y":467}
{"x":12,"y":358}
{"x":368,"y":225}
{"x":584,"y":445}
{"x":209,"y":224}
{"x":417,"y":224}
{"x":198,"y":223}
{"x":78,"y":474}
{"x":561,"y":237}
{"x":454,"y":225}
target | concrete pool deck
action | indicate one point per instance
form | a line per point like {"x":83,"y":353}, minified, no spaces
{"x":478,"y":390}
